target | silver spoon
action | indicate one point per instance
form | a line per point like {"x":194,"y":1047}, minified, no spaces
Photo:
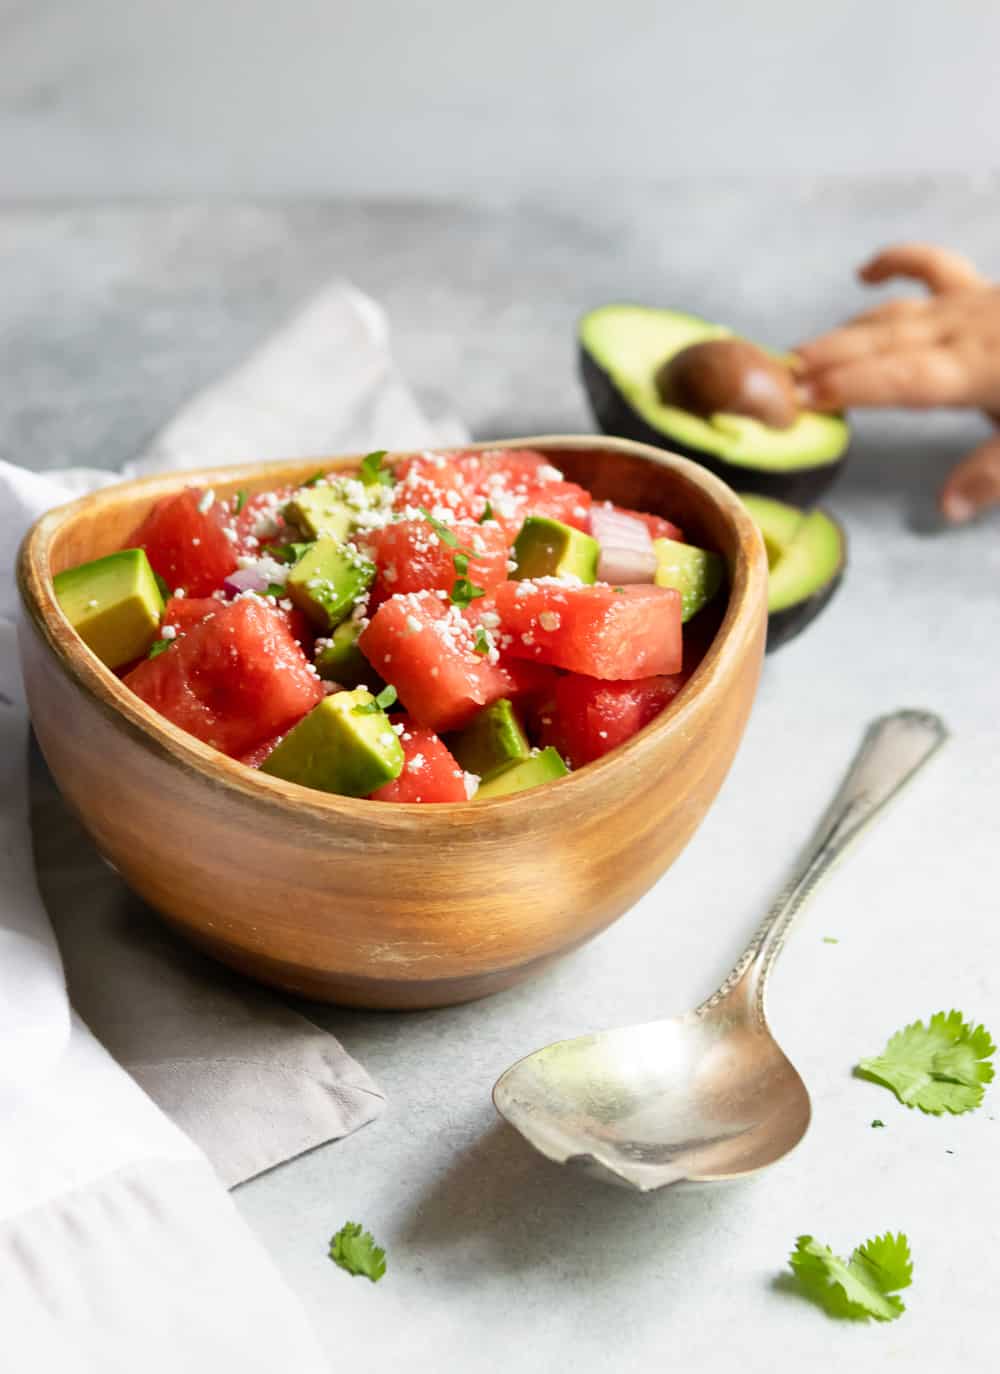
{"x":709,"y":1095}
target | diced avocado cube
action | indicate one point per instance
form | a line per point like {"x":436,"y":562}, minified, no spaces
{"x":320,"y":512}
{"x":327,"y":581}
{"x":548,"y":548}
{"x":344,"y":745}
{"x":696,"y":573}
{"x":340,"y":659}
{"x":113,"y":603}
{"x":492,"y":740}
{"x":544,"y":766}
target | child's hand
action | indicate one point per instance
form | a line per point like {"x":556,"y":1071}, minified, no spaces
{"x":939,"y":351}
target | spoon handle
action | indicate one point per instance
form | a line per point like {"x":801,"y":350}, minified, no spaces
{"x":894,"y":747}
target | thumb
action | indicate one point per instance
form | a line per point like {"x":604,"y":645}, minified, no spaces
{"x":973,"y":485}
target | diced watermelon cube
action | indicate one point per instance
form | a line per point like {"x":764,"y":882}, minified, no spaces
{"x":563,"y":501}
{"x":425,"y":648}
{"x":184,"y":611}
{"x":430,"y":773}
{"x":587,"y":716}
{"x":434,"y":482}
{"x":602,"y":631}
{"x":186,"y":544}
{"x":410,"y":556}
{"x":232,"y":680}
{"x":521,"y":482}
{"x":259,"y":520}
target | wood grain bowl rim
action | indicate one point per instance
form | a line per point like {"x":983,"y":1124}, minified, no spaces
{"x":747,"y":590}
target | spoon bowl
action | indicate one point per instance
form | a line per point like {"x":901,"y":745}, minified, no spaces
{"x":709,"y":1095}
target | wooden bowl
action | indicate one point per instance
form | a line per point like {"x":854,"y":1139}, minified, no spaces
{"x":390,"y":906}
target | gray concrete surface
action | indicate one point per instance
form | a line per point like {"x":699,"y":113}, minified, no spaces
{"x":458,"y":97}
{"x":113,"y":316}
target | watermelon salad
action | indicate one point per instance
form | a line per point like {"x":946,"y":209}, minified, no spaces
{"x":442,"y":629}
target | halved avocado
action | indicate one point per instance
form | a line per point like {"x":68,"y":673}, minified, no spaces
{"x":807,"y":553}
{"x":621,"y":349}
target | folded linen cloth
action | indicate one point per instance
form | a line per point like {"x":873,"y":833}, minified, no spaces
{"x":116,"y":1244}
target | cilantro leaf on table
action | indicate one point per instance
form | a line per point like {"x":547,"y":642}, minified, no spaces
{"x":355,"y":1250}
{"x":858,"y":1288}
{"x":940,"y":1067}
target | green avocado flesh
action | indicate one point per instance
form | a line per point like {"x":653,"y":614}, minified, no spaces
{"x":630,"y":342}
{"x":548,"y":548}
{"x":810,"y":560}
{"x":778,"y":523}
{"x":695,"y":573}
{"x":492,"y":740}
{"x":545,"y":766}
{"x":344,"y":745}
{"x":113,"y":604}
{"x":327,"y":580}
{"x":342,"y":661}
{"x":320,"y":513}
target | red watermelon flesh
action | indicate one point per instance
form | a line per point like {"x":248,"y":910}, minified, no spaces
{"x":601,"y":631}
{"x":186,"y":544}
{"x":430,"y":773}
{"x":411,"y":556}
{"x":233,"y":680}
{"x":424,"y":647}
{"x":587,"y":717}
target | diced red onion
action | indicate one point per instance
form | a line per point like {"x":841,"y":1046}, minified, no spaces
{"x":626,"y":546}
{"x":622,"y":566}
{"x":615,"y":529}
{"x":252,"y":579}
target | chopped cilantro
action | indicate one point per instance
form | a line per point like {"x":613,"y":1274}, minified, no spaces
{"x":316,"y":477}
{"x":285,"y":553}
{"x":159,"y":646}
{"x":863,"y":1286}
{"x":163,"y":586}
{"x":382,"y":702}
{"x":372,"y":472}
{"x":620,"y":590}
{"x":940,"y":1067}
{"x":355,"y":1250}
{"x":482,"y":643}
{"x":464,"y":592}
{"x":487,"y":514}
{"x":275,"y":589}
{"x":461,"y":561}
{"x":877,"y":1123}
{"x":240,"y":500}
{"x":446,"y":535}
{"x":830,"y":940}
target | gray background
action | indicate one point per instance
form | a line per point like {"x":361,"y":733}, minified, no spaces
{"x":460,"y":97}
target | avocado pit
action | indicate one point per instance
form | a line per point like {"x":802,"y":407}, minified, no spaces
{"x":729,"y":376}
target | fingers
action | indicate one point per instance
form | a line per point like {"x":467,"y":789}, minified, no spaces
{"x":974,"y":485}
{"x":939,"y":269}
{"x":868,"y":339}
{"x":918,"y":379}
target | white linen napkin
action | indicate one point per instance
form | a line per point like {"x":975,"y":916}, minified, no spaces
{"x":118,"y":1246}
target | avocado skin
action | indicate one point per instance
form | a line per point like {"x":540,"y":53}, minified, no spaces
{"x":614,"y":415}
{"x":783,"y":626}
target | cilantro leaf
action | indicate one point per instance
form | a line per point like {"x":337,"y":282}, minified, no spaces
{"x":486,"y":515}
{"x":461,"y":561}
{"x":482,"y":641}
{"x":464,"y":592}
{"x":940,"y":1067}
{"x":240,"y":500}
{"x":372,"y":472}
{"x":446,"y":535}
{"x":162,"y":586}
{"x":877,"y":1123}
{"x":386,"y":698}
{"x":355,"y":1250}
{"x":863,"y":1286}
{"x":159,"y":646}
{"x":275,"y":589}
{"x":285,"y":553}
{"x":316,"y":477}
